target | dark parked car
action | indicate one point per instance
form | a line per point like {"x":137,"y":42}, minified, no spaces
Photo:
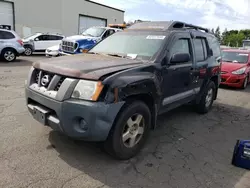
{"x":115,"y":92}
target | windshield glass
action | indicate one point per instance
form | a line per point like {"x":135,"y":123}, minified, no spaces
{"x":236,"y":57}
{"x":246,"y":43}
{"x":94,"y":32}
{"x":31,"y":36}
{"x":135,"y":44}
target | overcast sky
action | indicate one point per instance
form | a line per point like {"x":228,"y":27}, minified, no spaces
{"x":231,"y":14}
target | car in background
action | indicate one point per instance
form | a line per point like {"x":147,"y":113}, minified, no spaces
{"x":235,"y":69}
{"x":11,"y":45}
{"x":81,"y":43}
{"x":52,"y":51}
{"x":39,"y":42}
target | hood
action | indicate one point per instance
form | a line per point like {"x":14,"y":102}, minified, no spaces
{"x":80,"y":37}
{"x":54,"y":48}
{"x":86,"y":66}
{"x":229,"y":67}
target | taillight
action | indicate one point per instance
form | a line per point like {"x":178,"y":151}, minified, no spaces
{"x":20,"y":42}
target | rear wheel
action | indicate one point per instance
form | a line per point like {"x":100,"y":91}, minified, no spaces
{"x":245,"y":83}
{"x":130,"y":131}
{"x":9,"y":55}
{"x":207,"y":99}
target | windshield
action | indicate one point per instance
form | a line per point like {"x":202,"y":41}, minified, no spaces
{"x":133,"y":44}
{"x":246,"y":43}
{"x":31,"y":36}
{"x":236,"y":57}
{"x":94,"y":32}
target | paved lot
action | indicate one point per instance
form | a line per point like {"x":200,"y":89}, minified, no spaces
{"x":186,"y":151}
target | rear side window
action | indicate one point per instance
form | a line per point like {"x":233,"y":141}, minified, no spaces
{"x":54,"y":37}
{"x":6,"y":35}
{"x":214,"y":45}
{"x":200,"y":49}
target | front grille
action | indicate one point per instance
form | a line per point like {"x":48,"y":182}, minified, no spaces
{"x":47,"y":80}
{"x":68,"y":46}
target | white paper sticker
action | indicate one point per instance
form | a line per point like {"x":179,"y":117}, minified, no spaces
{"x":243,"y":54}
{"x":132,"y":56}
{"x":156,"y":37}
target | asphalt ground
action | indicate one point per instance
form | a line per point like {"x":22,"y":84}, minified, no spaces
{"x":187,"y":150}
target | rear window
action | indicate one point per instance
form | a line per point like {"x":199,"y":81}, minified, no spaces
{"x":6,"y":35}
{"x":235,"y":57}
{"x":214,"y":45}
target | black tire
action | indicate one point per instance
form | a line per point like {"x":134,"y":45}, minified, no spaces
{"x":245,"y":83}
{"x":115,"y":145}
{"x":28,"y":51}
{"x":203,"y":107}
{"x":9,"y":55}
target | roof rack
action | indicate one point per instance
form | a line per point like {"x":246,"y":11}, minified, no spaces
{"x":183,"y":25}
{"x":166,"y":25}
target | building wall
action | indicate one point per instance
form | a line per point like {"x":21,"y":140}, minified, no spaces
{"x":71,"y":11}
{"x":58,"y":16}
{"x":37,"y":16}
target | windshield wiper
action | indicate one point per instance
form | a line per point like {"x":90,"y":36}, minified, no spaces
{"x":116,"y":55}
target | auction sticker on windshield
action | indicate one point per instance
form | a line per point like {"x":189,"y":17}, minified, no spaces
{"x":243,"y":54}
{"x":156,"y":37}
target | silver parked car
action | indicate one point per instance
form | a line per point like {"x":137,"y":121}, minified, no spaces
{"x":11,"y":45}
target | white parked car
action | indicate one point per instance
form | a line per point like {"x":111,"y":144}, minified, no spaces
{"x":52,"y":51}
{"x":39,"y":42}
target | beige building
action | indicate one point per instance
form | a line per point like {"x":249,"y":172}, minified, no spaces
{"x":66,"y":17}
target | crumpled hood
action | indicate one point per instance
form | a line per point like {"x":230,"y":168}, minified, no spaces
{"x":80,"y":37}
{"x":87,"y":66}
{"x":229,"y":67}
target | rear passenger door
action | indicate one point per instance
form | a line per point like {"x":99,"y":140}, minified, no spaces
{"x":202,"y":59}
{"x":54,"y":40}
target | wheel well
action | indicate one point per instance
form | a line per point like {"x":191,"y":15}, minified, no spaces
{"x":149,"y":101}
{"x":8,"y":48}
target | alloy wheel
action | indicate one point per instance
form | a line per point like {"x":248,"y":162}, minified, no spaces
{"x":28,"y":51}
{"x":209,"y":97}
{"x":133,"y":130}
{"x":9,"y":55}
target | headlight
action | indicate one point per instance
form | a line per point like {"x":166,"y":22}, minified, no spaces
{"x":240,"y":71}
{"x":87,"y":90}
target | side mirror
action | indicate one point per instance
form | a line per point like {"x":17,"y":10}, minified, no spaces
{"x":180,"y":58}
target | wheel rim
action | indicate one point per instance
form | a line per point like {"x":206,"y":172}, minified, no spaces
{"x":209,"y":97}
{"x":245,"y":82}
{"x":133,"y":130}
{"x":9,"y":55}
{"x":27,"y":51}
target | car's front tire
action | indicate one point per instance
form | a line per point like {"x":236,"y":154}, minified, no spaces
{"x":245,"y":83}
{"x":9,"y":55}
{"x":207,"y":99}
{"x":129,"y":131}
{"x":28,"y":51}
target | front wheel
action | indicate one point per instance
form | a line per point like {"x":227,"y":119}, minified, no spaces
{"x":9,"y":55}
{"x":244,"y":85}
{"x":28,"y":51}
{"x":129,"y":131}
{"x":207,"y":99}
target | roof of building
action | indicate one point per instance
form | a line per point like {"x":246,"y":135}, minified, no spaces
{"x":105,"y":6}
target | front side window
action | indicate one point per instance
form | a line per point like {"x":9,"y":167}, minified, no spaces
{"x":139,"y":44}
{"x":235,"y":57}
{"x":180,"y":46}
{"x":94,"y":32}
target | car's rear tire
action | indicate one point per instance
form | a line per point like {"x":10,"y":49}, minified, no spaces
{"x":130,"y":131}
{"x":207,"y":99}
{"x":28,"y":51}
{"x":9,"y":55}
{"x":245,"y":83}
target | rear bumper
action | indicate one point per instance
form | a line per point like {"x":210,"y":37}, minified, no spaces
{"x":232,"y":80}
{"x":84,"y":120}
{"x":20,"y":50}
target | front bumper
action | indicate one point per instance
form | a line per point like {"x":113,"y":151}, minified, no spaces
{"x":51,"y":53}
{"x":66,"y":116}
{"x":232,"y":80}
{"x":64,"y":54}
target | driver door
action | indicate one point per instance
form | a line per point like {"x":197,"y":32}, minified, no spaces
{"x":178,"y":77}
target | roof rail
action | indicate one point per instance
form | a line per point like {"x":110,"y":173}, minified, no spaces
{"x":183,"y":25}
